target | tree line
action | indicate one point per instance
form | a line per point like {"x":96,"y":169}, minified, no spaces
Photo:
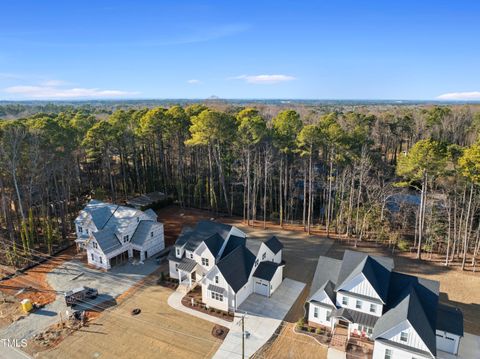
{"x":405,"y":176}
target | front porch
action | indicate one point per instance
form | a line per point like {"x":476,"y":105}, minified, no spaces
{"x":187,"y":277}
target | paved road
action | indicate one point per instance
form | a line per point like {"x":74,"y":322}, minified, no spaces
{"x":65,"y":277}
{"x":262,"y":318}
{"x":12,"y":353}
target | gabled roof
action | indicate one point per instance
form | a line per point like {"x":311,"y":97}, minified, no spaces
{"x":236,"y":267}
{"x":142,"y":233}
{"x":202,"y":231}
{"x":107,"y":240}
{"x":375,"y":269}
{"x":214,"y":244}
{"x":233,"y":242}
{"x":327,"y":270}
{"x":151,"y":213}
{"x":266,"y":270}
{"x":409,"y":309}
{"x":274,"y":245}
{"x":449,"y":319}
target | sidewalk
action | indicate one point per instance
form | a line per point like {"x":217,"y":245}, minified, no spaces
{"x":175,"y":301}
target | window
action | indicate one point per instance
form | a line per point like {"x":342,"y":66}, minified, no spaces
{"x":191,"y":255}
{"x":100,"y":259}
{"x":216,"y":279}
{"x":217,"y":296}
{"x":358,"y":304}
{"x":404,"y":336}
{"x":93,"y":257}
{"x":329,"y":314}
{"x":373,"y":308}
{"x":94,"y":244}
{"x":315,"y":312}
{"x":264,"y":255}
{"x":256,"y":262}
{"x":388,"y":354}
{"x":345,"y":300}
{"x":80,"y":229}
{"x":205,"y":262}
{"x":125,"y":239}
{"x":176,"y":266}
{"x":151,"y":234}
{"x":138,"y":219}
{"x":178,"y":252}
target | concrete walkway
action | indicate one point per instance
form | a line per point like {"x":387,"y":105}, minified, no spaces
{"x":336,"y":354}
{"x":262,"y":318}
{"x":175,"y":301}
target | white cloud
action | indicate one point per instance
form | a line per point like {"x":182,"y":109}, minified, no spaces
{"x":263,"y":79}
{"x":473,"y":95}
{"x":53,"y":89}
{"x":194,"y":82}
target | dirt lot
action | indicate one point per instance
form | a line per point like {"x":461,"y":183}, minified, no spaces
{"x":157,"y":329}
{"x":292,"y":346}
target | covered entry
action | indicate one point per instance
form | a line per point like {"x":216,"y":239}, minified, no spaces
{"x":119,"y":259}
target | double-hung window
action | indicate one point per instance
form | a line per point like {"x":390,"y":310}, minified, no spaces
{"x":358,"y":304}
{"x":315,"y":312}
{"x":373,"y":308}
{"x":345,"y":300}
{"x":388,"y":354}
{"x":205,"y":262}
{"x":404,"y":337}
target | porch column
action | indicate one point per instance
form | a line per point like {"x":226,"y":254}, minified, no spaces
{"x":190,"y":279}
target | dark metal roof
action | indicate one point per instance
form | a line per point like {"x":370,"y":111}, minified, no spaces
{"x":409,"y":308}
{"x":216,"y":289}
{"x":236,"y":267}
{"x":233,"y":242}
{"x":449,"y":319}
{"x":266,"y":270}
{"x":321,"y":304}
{"x":214,"y":244}
{"x":355,"y":316}
{"x":274,"y":245}
{"x":187,"y":265}
{"x":375,"y":269}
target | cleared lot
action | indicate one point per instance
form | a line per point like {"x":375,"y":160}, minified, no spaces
{"x":158,"y":331}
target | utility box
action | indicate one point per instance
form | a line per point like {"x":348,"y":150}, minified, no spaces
{"x":26,"y":305}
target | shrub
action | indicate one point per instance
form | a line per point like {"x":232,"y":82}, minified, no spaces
{"x":403,"y":245}
{"x":311,"y":330}
{"x":301,"y":322}
{"x":319,"y":331}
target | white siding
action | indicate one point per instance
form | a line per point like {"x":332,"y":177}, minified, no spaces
{"x":276,"y":280}
{"x":321,"y":317}
{"x":172,"y":267}
{"x":413,"y":339}
{"x":352,"y":304}
{"x":207,"y":295}
{"x":243,"y":293}
{"x":397,"y":353}
{"x":360,"y":285}
{"x":278,"y":257}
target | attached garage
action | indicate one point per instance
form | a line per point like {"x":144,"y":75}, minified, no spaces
{"x":267,"y":277}
{"x":261,"y":287}
{"x":119,"y":259}
{"x":449,"y":328}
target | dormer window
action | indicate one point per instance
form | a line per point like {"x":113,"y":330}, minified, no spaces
{"x":404,"y":337}
{"x":125,"y":239}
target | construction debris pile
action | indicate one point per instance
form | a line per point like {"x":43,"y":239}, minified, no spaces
{"x":57,"y":332}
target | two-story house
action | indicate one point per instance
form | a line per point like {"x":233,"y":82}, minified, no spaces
{"x":364,"y":296}
{"x":216,"y":256}
{"x":111,"y":234}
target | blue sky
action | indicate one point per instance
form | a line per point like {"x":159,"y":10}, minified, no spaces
{"x":243,"y":49}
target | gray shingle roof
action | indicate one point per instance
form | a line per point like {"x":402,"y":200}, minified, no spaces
{"x":142,"y":233}
{"x":266,"y":270}
{"x":236,"y":267}
{"x":202,"y":231}
{"x":107,"y":240}
{"x":274,"y":245}
{"x":327,"y":270}
{"x":449,"y":319}
{"x":375,"y":269}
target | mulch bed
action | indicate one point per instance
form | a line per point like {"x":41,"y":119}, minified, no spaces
{"x":196,"y":295}
{"x":220,"y":332}
{"x":322,"y":335}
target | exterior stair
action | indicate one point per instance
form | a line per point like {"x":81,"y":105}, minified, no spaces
{"x":339,"y":339}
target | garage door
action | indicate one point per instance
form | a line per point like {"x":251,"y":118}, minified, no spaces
{"x":261,"y":288}
{"x":445,"y":343}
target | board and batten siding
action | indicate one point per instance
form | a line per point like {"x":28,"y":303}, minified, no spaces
{"x":397,"y":353}
{"x":413,"y":339}
{"x":352,"y":304}
{"x":322,"y":315}
{"x":360,"y":285}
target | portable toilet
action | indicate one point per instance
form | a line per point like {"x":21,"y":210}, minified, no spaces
{"x":26,"y":305}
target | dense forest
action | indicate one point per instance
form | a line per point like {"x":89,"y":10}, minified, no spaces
{"x":405,"y":176}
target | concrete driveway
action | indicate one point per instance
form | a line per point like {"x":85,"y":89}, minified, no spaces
{"x":469,"y":348}
{"x":74,"y":274}
{"x":263,"y":315}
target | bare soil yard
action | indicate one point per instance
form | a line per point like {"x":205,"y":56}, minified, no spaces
{"x":289,"y":345}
